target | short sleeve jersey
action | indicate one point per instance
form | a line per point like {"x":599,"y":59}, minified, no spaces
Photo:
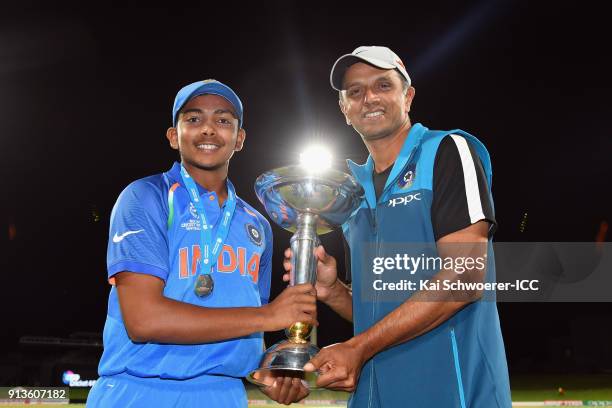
{"x":155,"y":230}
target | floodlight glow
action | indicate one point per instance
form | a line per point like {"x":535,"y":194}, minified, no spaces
{"x":316,"y":158}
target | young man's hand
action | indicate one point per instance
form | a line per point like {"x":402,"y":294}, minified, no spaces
{"x":286,"y":390}
{"x":295,"y":304}
{"x":327,"y":272}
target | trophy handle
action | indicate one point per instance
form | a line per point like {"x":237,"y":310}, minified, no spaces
{"x":303,"y":267}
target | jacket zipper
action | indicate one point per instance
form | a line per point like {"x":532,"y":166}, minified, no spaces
{"x":457,"y":367}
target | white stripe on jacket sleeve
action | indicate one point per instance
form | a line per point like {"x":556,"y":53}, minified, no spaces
{"x":469,"y":177}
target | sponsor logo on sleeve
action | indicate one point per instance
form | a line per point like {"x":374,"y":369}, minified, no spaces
{"x":117,"y":238}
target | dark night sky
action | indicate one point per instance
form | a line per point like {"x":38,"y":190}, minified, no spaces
{"x":86,"y":95}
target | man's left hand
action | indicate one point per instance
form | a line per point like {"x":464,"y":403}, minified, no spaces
{"x":339,"y":366}
{"x":286,"y":390}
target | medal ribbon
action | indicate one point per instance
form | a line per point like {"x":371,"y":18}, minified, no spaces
{"x":210,"y":255}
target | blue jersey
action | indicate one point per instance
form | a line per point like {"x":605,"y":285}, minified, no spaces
{"x":155,"y":230}
{"x":459,"y":363}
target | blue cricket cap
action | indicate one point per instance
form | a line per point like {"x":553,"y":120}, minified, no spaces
{"x":206,"y":87}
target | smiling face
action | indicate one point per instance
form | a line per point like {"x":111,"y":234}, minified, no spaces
{"x":207,"y":133}
{"x":375,"y":101}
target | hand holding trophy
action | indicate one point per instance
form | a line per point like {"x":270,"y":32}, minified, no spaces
{"x":309,"y":199}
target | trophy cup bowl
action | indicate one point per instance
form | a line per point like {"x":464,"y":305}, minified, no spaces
{"x":308,"y":202}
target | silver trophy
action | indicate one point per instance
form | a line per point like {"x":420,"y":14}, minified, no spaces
{"x":308,"y":202}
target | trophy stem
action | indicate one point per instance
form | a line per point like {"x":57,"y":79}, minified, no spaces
{"x":303,"y":244}
{"x":303,"y":267}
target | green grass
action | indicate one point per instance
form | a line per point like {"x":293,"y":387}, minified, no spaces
{"x":524,"y":388}
{"x":79,"y":393}
{"x":575,"y":387}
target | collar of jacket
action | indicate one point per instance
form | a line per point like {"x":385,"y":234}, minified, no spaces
{"x":363,"y":172}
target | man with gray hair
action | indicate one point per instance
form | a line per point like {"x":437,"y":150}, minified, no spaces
{"x":421,"y":348}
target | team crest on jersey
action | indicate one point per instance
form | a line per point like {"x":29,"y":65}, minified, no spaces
{"x":254,"y":234}
{"x":408,"y":178}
